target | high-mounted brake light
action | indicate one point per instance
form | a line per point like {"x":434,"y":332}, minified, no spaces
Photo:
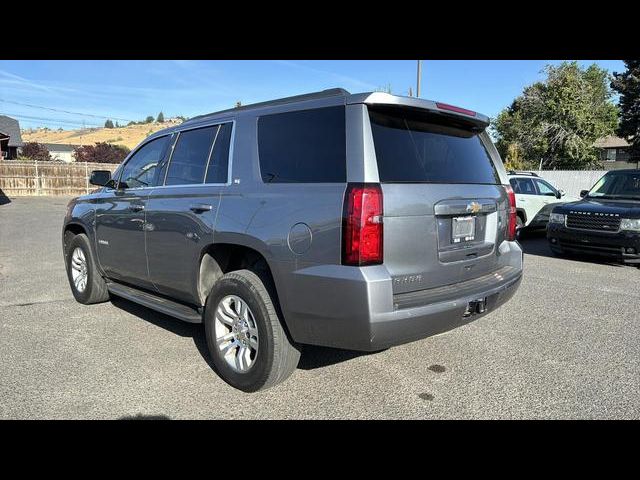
{"x":362,"y":225}
{"x":452,"y":108}
{"x":511,"y":229}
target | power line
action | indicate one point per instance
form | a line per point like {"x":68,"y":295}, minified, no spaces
{"x":64,"y":111}
{"x":51,"y":120}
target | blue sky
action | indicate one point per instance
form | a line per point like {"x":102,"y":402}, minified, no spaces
{"x":131,"y":90}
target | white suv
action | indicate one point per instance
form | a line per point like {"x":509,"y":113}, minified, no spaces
{"x":535,"y":198}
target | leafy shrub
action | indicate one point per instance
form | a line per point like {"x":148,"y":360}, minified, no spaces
{"x":101,"y":152}
{"x":36,"y":151}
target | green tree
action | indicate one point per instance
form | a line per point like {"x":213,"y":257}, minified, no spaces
{"x":149,"y":119}
{"x":108,"y":124}
{"x":160,"y":118}
{"x":627,"y":84}
{"x":556,"y":121}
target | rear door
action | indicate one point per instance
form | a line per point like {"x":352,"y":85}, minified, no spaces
{"x":182,"y":209}
{"x":444,"y":206}
{"x":527,"y":197}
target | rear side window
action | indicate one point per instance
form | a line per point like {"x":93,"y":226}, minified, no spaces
{"x":307,"y":146}
{"x":409,"y":149}
{"x":190,"y":155}
{"x":523,"y":186}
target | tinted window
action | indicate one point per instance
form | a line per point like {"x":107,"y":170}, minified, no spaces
{"x":140,"y":169}
{"x":190,"y":155}
{"x":411,"y":150}
{"x":524,"y":186}
{"x":545,"y":189}
{"x":308,"y":146}
{"x":218,"y":169}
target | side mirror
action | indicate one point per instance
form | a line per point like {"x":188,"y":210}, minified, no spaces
{"x":561,"y":193}
{"x":100,"y":177}
{"x":583,"y":193}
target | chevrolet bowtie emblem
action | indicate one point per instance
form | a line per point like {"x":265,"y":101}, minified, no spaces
{"x":474,"y":207}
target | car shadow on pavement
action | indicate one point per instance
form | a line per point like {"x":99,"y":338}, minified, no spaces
{"x":535,"y":243}
{"x":312,"y":357}
{"x":141,"y":416}
{"x":317,"y":357}
{"x":173,"y":325}
{"x":3,"y":198}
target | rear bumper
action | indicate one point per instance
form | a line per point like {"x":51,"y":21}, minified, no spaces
{"x":355,"y":309}
{"x":411,"y":324}
{"x":611,"y":245}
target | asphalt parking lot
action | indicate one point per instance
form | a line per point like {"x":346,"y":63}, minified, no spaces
{"x":566,"y":346}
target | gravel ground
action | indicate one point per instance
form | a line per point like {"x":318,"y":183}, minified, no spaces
{"x":566,"y":346}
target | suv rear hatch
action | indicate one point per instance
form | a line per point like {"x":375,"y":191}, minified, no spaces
{"x":445,"y":210}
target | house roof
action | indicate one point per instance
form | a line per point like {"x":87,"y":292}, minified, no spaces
{"x":60,"y":147}
{"x":611,"y":141}
{"x":10,"y":126}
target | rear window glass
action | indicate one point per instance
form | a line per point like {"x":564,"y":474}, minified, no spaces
{"x":307,"y":146}
{"x":411,"y":150}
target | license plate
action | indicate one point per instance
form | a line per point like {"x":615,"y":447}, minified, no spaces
{"x":463,"y":229}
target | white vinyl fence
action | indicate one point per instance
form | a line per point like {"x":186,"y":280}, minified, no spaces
{"x":572,"y":181}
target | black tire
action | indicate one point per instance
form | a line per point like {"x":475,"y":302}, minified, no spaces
{"x":277,"y":356}
{"x":519,"y":226}
{"x":558,"y":252}
{"x":96,"y":288}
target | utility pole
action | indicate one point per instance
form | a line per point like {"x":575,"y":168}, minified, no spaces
{"x":419,"y":75}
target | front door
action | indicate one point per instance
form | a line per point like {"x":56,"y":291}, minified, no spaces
{"x":120,"y":217}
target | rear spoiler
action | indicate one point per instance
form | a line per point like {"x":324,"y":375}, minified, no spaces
{"x":475,"y":120}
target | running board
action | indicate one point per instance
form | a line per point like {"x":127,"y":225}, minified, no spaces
{"x":159,"y":304}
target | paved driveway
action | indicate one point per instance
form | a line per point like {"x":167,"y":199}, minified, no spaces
{"x":566,"y":346}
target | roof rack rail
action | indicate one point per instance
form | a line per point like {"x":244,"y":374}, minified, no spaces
{"x":516,"y":172}
{"x":331,"y":92}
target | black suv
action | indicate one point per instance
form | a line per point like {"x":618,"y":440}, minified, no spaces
{"x":605,"y":222}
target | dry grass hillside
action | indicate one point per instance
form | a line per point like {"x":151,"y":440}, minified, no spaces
{"x":128,"y":136}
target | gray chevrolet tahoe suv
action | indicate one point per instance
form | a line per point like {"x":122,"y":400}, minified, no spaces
{"x":357,"y":221}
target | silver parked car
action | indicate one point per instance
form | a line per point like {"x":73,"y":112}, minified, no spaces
{"x":357,"y":221}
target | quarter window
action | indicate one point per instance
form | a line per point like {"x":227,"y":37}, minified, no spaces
{"x":189,"y":159}
{"x":218,"y":169}
{"x":307,"y":146}
{"x":140,"y":169}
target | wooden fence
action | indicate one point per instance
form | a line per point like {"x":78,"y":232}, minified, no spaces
{"x":47,"y":178}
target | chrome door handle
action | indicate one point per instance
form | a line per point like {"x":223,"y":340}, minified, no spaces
{"x":136,"y":207}
{"x":201,"y":207}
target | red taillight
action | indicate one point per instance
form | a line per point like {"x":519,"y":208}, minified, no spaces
{"x":512,"y":213}
{"x":452,"y":108}
{"x":362,"y":225}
